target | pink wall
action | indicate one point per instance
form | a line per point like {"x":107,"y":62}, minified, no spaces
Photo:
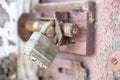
{"x":107,"y":28}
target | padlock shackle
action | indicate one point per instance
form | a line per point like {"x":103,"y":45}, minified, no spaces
{"x":46,"y":26}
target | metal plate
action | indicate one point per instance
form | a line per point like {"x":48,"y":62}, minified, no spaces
{"x":82,"y":14}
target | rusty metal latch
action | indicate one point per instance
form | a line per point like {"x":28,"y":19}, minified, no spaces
{"x":72,"y":30}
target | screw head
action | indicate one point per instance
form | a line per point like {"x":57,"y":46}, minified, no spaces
{"x":114,"y":61}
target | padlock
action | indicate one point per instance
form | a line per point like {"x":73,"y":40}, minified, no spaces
{"x":39,"y":48}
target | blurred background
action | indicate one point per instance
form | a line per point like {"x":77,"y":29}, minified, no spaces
{"x":13,"y":67}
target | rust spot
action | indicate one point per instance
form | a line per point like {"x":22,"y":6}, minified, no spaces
{"x":114,"y":61}
{"x":24,"y":35}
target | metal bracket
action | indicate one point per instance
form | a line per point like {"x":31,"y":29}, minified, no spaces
{"x":74,"y":25}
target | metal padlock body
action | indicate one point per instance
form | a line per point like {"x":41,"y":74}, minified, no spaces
{"x":40,"y":49}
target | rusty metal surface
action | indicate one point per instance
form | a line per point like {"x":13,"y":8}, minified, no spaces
{"x":28,"y":23}
{"x":52,"y":7}
{"x":65,"y":68}
{"x":23,"y":34}
{"x":70,"y":29}
{"x":60,"y":19}
{"x":107,"y":38}
{"x":80,"y":13}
